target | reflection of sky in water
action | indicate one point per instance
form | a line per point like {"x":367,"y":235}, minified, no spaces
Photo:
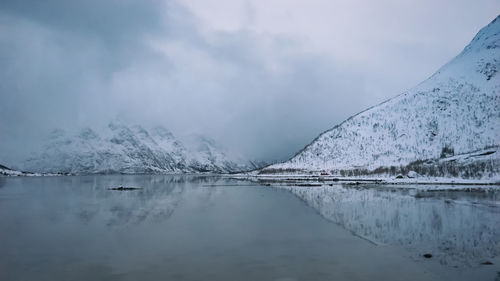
{"x":456,"y":227}
{"x":75,"y":228}
{"x":59,"y":225}
{"x":154,"y":202}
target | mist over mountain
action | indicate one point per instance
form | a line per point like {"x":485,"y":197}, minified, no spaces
{"x":259,"y":82}
{"x":131,"y":149}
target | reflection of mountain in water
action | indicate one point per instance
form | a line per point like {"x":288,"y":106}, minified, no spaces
{"x":155,"y":202}
{"x":464,"y":229}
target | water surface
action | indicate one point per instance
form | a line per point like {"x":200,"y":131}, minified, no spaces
{"x":214,"y":228}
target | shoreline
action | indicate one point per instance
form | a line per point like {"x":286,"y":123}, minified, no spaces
{"x":307,"y":179}
{"x":315,"y":180}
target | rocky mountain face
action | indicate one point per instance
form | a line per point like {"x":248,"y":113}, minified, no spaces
{"x":121,"y":148}
{"x":450,"y":121}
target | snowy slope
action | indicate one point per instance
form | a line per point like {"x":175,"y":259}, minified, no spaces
{"x":208,"y":156}
{"x":120,"y":148}
{"x":5,"y":171}
{"x":455,"y":111}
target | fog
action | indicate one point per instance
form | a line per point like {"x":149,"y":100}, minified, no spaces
{"x":260,"y":77}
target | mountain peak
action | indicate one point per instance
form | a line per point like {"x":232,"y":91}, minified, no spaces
{"x":454,"y":112}
{"x":487,"y":38}
{"x":161,"y":132}
{"x":122,"y":148}
{"x":88,"y":133}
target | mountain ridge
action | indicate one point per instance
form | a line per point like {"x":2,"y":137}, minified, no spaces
{"x":449,"y":92}
{"x":129,"y":149}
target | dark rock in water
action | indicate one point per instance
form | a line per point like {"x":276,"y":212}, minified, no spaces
{"x":399,"y":176}
{"x":487,"y":263}
{"x":124,"y":188}
{"x":423,"y":195}
{"x":427,"y":256}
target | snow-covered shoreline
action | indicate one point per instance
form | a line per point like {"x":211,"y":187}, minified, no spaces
{"x":437,"y":183}
{"x":6,"y":172}
{"x":310,"y":180}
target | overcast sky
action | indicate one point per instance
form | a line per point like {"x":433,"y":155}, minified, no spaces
{"x":263,"y":77}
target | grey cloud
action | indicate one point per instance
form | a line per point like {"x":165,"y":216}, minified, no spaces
{"x":70,"y":64}
{"x":112,"y":20}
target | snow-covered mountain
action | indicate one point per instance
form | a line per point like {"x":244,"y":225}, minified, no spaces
{"x":5,"y":171}
{"x":120,"y":148}
{"x":456,"y":111}
{"x":209,"y":156}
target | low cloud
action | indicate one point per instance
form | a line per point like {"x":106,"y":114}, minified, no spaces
{"x":261,"y":78}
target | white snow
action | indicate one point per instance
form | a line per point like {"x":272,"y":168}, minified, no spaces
{"x":4,"y":171}
{"x":458,"y":107}
{"x":121,"y":148}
